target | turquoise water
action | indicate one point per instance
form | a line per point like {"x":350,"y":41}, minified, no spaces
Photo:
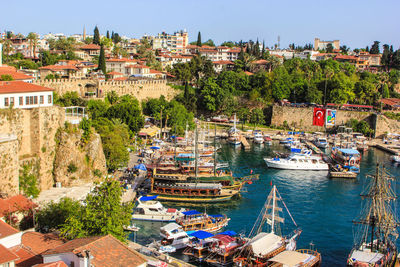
{"x":322,"y":208}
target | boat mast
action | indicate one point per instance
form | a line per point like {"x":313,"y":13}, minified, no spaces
{"x":273,"y":209}
{"x":215,"y":150}
{"x":196,"y":152}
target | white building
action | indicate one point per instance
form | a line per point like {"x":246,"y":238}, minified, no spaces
{"x":24,"y":95}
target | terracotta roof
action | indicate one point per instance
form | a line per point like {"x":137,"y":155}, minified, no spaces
{"x":52,"y":264}
{"x":121,"y":60}
{"x":107,"y":251}
{"x":223,"y":62}
{"x":115,"y":73}
{"x":155,"y":71}
{"x":345,"y":57}
{"x":20,"y":87}
{"x":18,"y":202}
{"x":59,"y":67}
{"x":15,"y":75}
{"x":6,"y":255}
{"x":6,"y":230}
{"x":39,"y":243}
{"x":90,"y":47}
{"x":120,"y":79}
{"x":138,"y":66}
{"x":391,"y":101}
{"x":26,"y":258}
{"x":7,"y":68}
{"x":279,"y":56}
{"x":260,"y":62}
{"x":248,"y":73}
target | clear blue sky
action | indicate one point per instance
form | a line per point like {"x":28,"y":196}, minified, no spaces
{"x":356,"y":23}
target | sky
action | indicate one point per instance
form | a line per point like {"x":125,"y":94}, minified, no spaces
{"x":356,"y":23}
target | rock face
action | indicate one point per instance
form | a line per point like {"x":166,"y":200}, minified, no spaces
{"x":76,"y":162}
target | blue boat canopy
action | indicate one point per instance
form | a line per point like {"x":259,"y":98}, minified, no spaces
{"x":191,"y":212}
{"x":349,"y":151}
{"x":155,"y":147}
{"x":201,"y":234}
{"x":217,"y":216}
{"x":140,"y":167}
{"x":143,"y":198}
{"x":230,"y":233}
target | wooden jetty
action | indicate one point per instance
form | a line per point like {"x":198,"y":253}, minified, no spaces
{"x":311,"y":146}
{"x":244,"y":142}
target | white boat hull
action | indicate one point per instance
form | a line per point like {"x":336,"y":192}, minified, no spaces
{"x":155,"y":218}
{"x":285,"y":165}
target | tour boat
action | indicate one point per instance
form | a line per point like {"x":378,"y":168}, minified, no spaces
{"x":321,"y":142}
{"x":194,"y":220}
{"x":150,"y":210}
{"x":298,"y":162}
{"x":263,"y":245}
{"x":234,"y":135}
{"x":267,"y":140}
{"x":173,"y":235}
{"x":298,"y":258}
{"x":347,"y":158}
{"x":258,"y":138}
{"x":375,"y":243}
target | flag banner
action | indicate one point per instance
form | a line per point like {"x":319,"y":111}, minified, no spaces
{"x":319,"y":117}
{"x":330,"y":117}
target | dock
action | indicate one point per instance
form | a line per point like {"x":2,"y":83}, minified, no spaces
{"x":244,"y":142}
{"x":387,"y":148}
{"x":311,"y":146}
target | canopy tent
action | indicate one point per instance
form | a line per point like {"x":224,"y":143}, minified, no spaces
{"x":170,"y":227}
{"x":292,"y":258}
{"x":191,"y":212}
{"x":143,"y":198}
{"x":141,"y":167}
{"x":349,"y":151}
{"x":201,"y":234}
{"x":264,"y":243}
{"x":225,"y":239}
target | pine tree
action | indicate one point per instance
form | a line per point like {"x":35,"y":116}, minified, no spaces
{"x":241,"y":54}
{"x":108,"y":35}
{"x":263,"y":51}
{"x":256,"y":49}
{"x":102,"y":61}
{"x":199,"y":39}
{"x":367,"y":49}
{"x":375,"y":48}
{"x":112,"y":35}
{"x":96,"y":36}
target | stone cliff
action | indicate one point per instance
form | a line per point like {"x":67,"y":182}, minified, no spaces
{"x":76,"y":162}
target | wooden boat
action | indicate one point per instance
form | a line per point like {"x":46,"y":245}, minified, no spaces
{"x":262,"y":246}
{"x":378,"y":223}
{"x":347,"y":158}
{"x":299,"y":258}
{"x":194,"y":220}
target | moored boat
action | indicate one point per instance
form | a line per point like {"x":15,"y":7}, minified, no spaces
{"x":258,"y":137}
{"x":173,"y":235}
{"x":298,"y":162}
{"x":150,"y":210}
{"x":194,"y":220}
{"x":347,"y":158}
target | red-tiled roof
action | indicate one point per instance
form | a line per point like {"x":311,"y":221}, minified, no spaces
{"x":107,"y":251}
{"x":18,"y":202}
{"x":20,"y":87}
{"x":121,"y":60}
{"x":345,"y":57}
{"x":90,"y":47}
{"x":155,"y":71}
{"x":26,"y":258}
{"x":52,"y":264}
{"x":15,"y":75}
{"x":120,"y":79}
{"x":138,"y":66}
{"x":115,"y":73}
{"x":38,"y":242}
{"x":223,"y":62}
{"x":6,"y":255}
{"x":260,"y":62}
{"x":6,"y":230}
{"x":59,"y":67}
{"x":248,"y":73}
{"x":391,"y":101}
{"x":7,"y":68}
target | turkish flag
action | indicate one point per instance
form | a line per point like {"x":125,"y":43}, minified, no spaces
{"x":319,"y":117}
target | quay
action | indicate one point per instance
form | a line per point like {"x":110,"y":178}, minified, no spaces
{"x":154,"y":256}
{"x":244,"y":142}
{"x":386,"y":148}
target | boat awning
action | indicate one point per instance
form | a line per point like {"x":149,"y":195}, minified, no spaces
{"x":349,"y":151}
{"x":147,"y":198}
{"x":365,"y":256}
{"x":292,"y":258}
{"x":217,"y":216}
{"x":191,"y":212}
{"x":226,"y":239}
{"x":230,"y":233}
{"x":170,"y":227}
{"x":201,"y":234}
{"x":264,"y":243}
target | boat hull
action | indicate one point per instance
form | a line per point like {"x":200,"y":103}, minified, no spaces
{"x":154,"y":218}
{"x":192,"y":199}
{"x":271,"y":163}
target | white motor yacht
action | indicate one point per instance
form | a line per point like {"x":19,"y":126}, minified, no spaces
{"x":321,"y":142}
{"x":174,"y":236}
{"x":258,"y":138}
{"x":150,"y":210}
{"x":297,"y":162}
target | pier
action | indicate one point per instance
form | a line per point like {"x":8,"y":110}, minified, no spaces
{"x":244,"y":142}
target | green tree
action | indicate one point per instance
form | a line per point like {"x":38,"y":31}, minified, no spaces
{"x":86,"y":126}
{"x":97,"y":108}
{"x":212,"y":96}
{"x":33,"y":41}
{"x":6,"y":77}
{"x":96,"y":36}
{"x":102,"y":61}
{"x":375,"y":48}
{"x":329,"y":48}
{"x":28,"y":179}
{"x":108,"y":35}
{"x":199,"y":39}
{"x":385,"y":91}
{"x":209,"y":42}
{"x":52,"y":216}
{"x":112,"y":97}
{"x":257,"y":116}
{"x":102,"y":214}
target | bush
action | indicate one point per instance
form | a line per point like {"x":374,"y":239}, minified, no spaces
{"x":72,"y":167}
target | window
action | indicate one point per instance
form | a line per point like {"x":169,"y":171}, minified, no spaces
{"x":41,"y":99}
{"x":21,"y":100}
{"x":31,"y":100}
{"x":6,"y":101}
{"x":11,"y":101}
{"x":35,"y":99}
{"x":27,"y":100}
{"x":49,"y":100}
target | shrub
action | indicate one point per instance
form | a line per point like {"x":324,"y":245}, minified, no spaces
{"x":72,"y":167}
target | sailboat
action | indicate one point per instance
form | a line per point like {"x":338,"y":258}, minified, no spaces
{"x":263,"y":245}
{"x":375,"y":244}
{"x":234,"y":134}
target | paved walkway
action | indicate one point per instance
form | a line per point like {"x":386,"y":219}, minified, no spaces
{"x":55,"y":194}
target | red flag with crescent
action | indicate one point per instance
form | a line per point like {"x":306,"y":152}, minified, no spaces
{"x":319,"y":117}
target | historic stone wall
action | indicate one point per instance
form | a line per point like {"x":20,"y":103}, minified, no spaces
{"x":386,"y":125}
{"x":141,"y":89}
{"x":9,"y":164}
{"x":302,"y":118}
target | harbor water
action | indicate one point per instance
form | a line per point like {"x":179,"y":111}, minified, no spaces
{"x":323,"y":208}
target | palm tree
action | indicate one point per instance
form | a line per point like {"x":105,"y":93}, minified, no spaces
{"x":32,"y":37}
{"x":7,"y":47}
